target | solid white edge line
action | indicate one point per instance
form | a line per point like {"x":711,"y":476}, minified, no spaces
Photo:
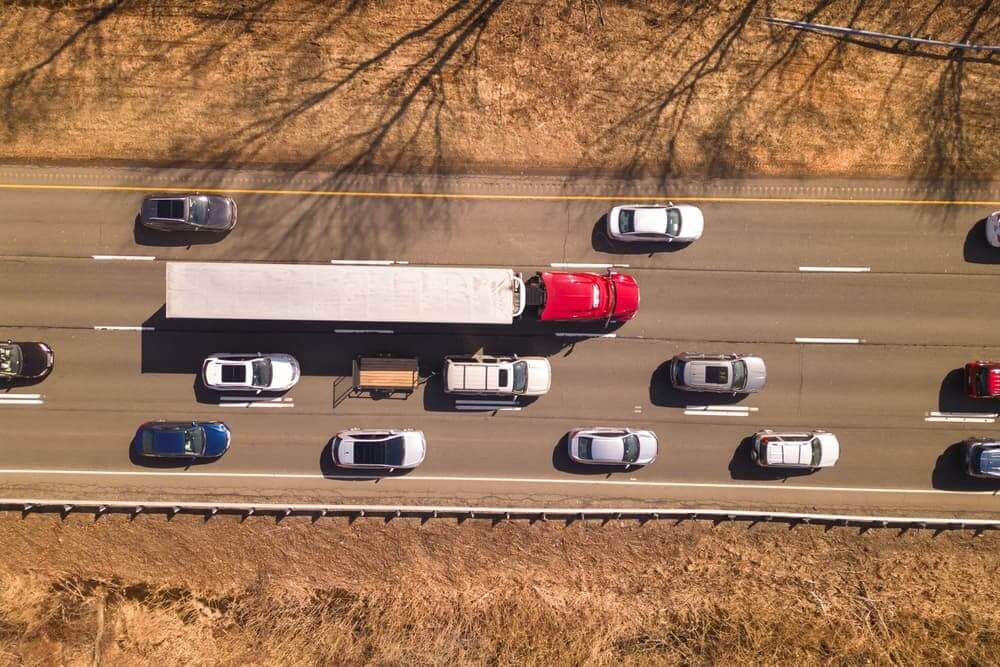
{"x":727,"y":408}
{"x":586,"y":335}
{"x":125,"y":258}
{"x":959,"y":420}
{"x":363,"y":331}
{"x":364,"y":262}
{"x":835,"y":269}
{"x":256,"y":399}
{"x":827,"y":340}
{"x":472,"y":478}
{"x":115,"y":328}
{"x":13,"y":396}
{"x":256,"y":405}
{"x":487,"y":408}
{"x":32,"y":401}
{"x":715,"y":413}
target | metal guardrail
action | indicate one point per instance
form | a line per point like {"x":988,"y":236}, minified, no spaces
{"x":854,"y":32}
{"x":424,"y":512}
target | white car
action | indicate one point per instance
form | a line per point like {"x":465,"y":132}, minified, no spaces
{"x":484,"y":375}
{"x":993,"y":229}
{"x":382,"y":449}
{"x":250,"y":372}
{"x":672,"y":223}
{"x":613,"y":446}
{"x":809,"y":449}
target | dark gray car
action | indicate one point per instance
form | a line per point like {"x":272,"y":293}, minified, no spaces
{"x":188,"y":212}
{"x":25,"y":360}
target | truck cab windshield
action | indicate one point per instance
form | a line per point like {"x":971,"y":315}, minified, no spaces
{"x":520,"y":377}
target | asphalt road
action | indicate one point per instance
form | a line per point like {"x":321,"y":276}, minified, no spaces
{"x":920,"y":303}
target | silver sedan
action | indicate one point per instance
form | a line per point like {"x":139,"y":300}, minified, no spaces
{"x":670,"y":223}
{"x":613,"y":446}
{"x":385,"y":449}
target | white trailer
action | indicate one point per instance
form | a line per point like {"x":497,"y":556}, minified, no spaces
{"x":343,"y":293}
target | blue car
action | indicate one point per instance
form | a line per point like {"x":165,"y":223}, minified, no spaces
{"x":182,"y":440}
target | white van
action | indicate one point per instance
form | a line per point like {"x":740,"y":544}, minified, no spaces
{"x":497,"y":376}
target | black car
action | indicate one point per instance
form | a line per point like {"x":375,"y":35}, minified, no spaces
{"x":25,"y":360}
{"x":981,"y":458}
{"x":188,"y":212}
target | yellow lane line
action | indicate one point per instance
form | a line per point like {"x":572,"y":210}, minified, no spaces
{"x":501,"y":197}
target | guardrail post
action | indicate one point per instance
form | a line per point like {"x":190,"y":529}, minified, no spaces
{"x":213,"y":511}
{"x":138,"y":509}
{"x":434,"y":514}
{"x":288,"y":511}
{"x":174,"y":511}
{"x":101,"y":509}
{"x":28,"y":506}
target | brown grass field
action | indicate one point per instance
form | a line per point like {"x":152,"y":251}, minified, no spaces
{"x":186,"y":591}
{"x":674,"y":88}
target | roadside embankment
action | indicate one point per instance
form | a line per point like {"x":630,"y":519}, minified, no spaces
{"x":189,"y":591}
{"x":669,"y":88}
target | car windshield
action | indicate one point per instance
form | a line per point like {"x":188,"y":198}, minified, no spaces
{"x":739,"y":374}
{"x":10,"y":359}
{"x":147,"y":442}
{"x":817,"y":452}
{"x":626,"y":221}
{"x":198,"y":210}
{"x":520,"y":377}
{"x":673,"y":222}
{"x":631,"y":443}
{"x":194,"y":440}
{"x":261,"y":372}
{"x":583,"y":445}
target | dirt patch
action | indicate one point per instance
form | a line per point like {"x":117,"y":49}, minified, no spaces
{"x":669,"y":88}
{"x":190,"y":592}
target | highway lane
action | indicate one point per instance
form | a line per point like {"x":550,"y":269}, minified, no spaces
{"x":741,"y":234}
{"x":99,"y":394}
{"x":468,"y":459}
{"x":920,"y":312}
{"x":711,"y":307}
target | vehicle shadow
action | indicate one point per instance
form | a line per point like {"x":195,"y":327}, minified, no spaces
{"x":601,"y":242}
{"x":948,"y":474}
{"x":137,"y":459}
{"x":665,"y":395}
{"x":976,"y":250}
{"x":741,"y":466}
{"x":331,"y":470}
{"x":563,"y":463}
{"x":952,"y":396}
{"x":143,"y":235}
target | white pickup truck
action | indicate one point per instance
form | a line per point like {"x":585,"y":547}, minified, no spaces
{"x":497,"y":376}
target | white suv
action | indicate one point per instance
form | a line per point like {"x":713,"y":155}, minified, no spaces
{"x":809,"y":449}
{"x":497,"y":376}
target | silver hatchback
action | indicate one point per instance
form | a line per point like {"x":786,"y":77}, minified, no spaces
{"x":718,"y":373}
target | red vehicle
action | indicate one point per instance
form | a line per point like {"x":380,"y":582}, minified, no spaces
{"x":583,"y":296}
{"x":982,"y":379}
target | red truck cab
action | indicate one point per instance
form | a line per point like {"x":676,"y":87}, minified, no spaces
{"x":563,"y":296}
{"x":982,"y":379}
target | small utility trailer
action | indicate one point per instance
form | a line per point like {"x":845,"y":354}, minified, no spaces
{"x":385,"y":376}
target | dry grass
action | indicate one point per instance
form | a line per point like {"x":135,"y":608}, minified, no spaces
{"x":189,"y":592}
{"x":677,"y":87}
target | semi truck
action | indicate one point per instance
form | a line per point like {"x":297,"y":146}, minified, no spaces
{"x":392,"y":293}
